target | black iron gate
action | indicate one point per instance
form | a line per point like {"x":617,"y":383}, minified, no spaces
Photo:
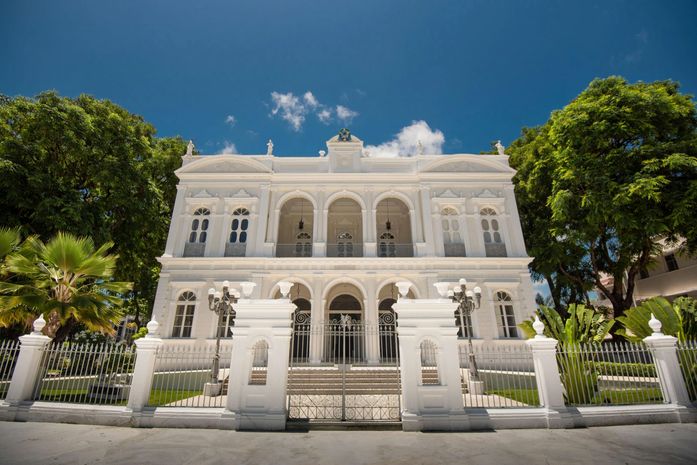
{"x":344,"y":370}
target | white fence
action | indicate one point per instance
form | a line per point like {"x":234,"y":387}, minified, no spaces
{"x":8,"y":356}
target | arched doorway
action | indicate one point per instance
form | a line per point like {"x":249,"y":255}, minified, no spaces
{"x":295,"y":225}
{"x":393,"y":229}
{"x":345,"y":332}
{"x":344,"y":229}
{"x":387,"y":323}
{"x":300,"y":343}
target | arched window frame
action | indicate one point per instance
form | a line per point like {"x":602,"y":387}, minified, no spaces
{"x":199,"y":226}
{"x":239,"y":226}
{"x":344,"y":244}
{"x":260,"y":363}
{"x":492,"y":233}
{"x":184,"y":315}
{"x":303,"y":244}
{"x":505,"y":315}
{"x":387,"y":245}
{"x":453,"y":239}
{"x":428,"y":351}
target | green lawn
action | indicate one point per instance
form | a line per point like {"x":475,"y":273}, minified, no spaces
{"x":160,"y":397}
{"x":633,"y":396}
{"x":526,"y":396}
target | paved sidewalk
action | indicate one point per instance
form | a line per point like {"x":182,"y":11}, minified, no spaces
{"x":50,"y":443}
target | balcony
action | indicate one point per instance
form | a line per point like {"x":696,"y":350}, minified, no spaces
{"x":235,"y":249}
{"x":495,"y":249}
{"x":294,"y":250}
{"x":455,"y":250}
{"x":194,"y":249}
{"x":345,"y":250}
{"x":395,"y":250}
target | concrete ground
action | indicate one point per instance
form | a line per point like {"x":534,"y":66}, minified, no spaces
{"x":50,"y":443}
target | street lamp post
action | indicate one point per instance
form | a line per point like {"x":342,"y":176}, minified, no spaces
{"x":468,"y":301}
{"x":219,"y":302}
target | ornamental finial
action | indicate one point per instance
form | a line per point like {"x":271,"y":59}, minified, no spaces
{"x":538,"y":326}
{"x":656,"y":326}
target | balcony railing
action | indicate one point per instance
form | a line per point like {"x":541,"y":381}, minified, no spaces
{"x":194,"y":249}
{"x":395,"y":250}
{"x":495,"y":250}
{"x":455,"y":250}
{"x":294,"y":250}
{"x":235,"y":249}
{"x":345,"y":250}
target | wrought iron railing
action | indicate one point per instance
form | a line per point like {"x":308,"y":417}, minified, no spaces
{"x":9,"y":350}
{"x":493,"y":249}
{"x":354,"y":249}
{"x":687,"y":357}
{"x":294,"y":250}
{"x":618,"y":373}
{"x":194,"y":249}
{"x":505,"y":377}
{"x":455,"y":250}
{"x":395,"y":250}
{"x":181,"y":374}
{"x":85,"y":373}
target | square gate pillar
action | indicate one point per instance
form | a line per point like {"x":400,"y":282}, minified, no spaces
{"x":259,"y":366}
{"x":432,"y":401}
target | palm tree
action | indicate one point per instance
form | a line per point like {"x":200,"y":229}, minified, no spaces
{"x":67,"y":280}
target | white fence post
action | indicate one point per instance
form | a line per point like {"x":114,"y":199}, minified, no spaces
{"x":430,"y":406}
{"x":664,"y":351}
{"x":549,"y":386}
{"x":28,"y":364}
{"x":144,"y":370}
{"x":252,"y":405}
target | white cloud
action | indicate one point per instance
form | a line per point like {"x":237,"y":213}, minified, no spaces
{"x":310,"y":100}
{"x":231,"y":120}
{"x":325,"y":115}
{"x":294,"y":109}
{"x":405,"y":143}
{"x":345,"y":114}
{"x":229,"y":148}
{"x":290,"y":108}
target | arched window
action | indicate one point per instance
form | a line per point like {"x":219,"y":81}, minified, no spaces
{"x":429,"y":362}
{"x":260,"y":362}
{"x":344,"y":244}
{"x":452,"y":239}
{"x":505,"y":316}
{"x":386,"y":245}
{"x":226,"y":322}
{"x":303,"y":245}
{"x":184,"y":316}
{"x":199,"y":226}
{"x":196,"y":244}
{"x":237,"y":241}
{"x":493,"y":241}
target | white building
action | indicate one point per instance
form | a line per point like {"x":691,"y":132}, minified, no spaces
{"x":344,"y":228}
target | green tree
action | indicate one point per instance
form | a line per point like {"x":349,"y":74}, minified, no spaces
{"x":602,"y":180}
{"x":67,"y":280}
{"x":91,"y":168}
{"x":583,"y":325}
{"x":678,"y":319}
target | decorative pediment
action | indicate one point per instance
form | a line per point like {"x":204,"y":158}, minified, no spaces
{"x":202,"y":194}
{"x":467,"y":164}
{"x":487,"y":194}
{"x":224,"y":164}
{"x":448,"y":194}
{"x":241,"y":194}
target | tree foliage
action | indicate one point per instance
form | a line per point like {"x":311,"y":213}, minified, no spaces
{"x":678,"y":319}
{"x":583,"y":325}
{"x":602,"y":181}
{"x":68,"y":280}
{"x":91,"y":168}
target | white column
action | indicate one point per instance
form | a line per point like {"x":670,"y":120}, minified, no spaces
{"x":670,"y":375}
{"x":372,"y":339}
{"x":317,"y":323}
{"x":513,"y":226}
{"x":429,"y":237}
{"x":254,"y":406}
{"x":263,"y":221}
{"x":174,"y":236}
{"x":430,"y":407}
{"x":28,"y":364}
{"x":215,"y":244}
{"x":144,"y":370}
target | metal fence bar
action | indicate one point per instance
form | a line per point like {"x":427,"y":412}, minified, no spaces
{"x":506,"y":377}
{"x":615,"y":373}
{"x":181,"y":374}
{"x":687,"y":357}
{"x":97,"y":374}
{"x":8,"y":356}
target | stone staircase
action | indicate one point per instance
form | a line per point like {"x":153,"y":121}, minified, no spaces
{"x":328,"y":381}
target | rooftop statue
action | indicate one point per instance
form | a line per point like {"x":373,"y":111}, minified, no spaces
{"x":344,"y":135}
{"x":269,"y":147}
{"x":499,"y":146}
{"x":190,"y":149}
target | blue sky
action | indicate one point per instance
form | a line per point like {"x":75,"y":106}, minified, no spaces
{"x":226,"y":73}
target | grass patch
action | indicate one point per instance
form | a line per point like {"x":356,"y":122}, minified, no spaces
{"x":159,"y":397}
{"x":627,"y":397}
{"x":525,"y":396}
